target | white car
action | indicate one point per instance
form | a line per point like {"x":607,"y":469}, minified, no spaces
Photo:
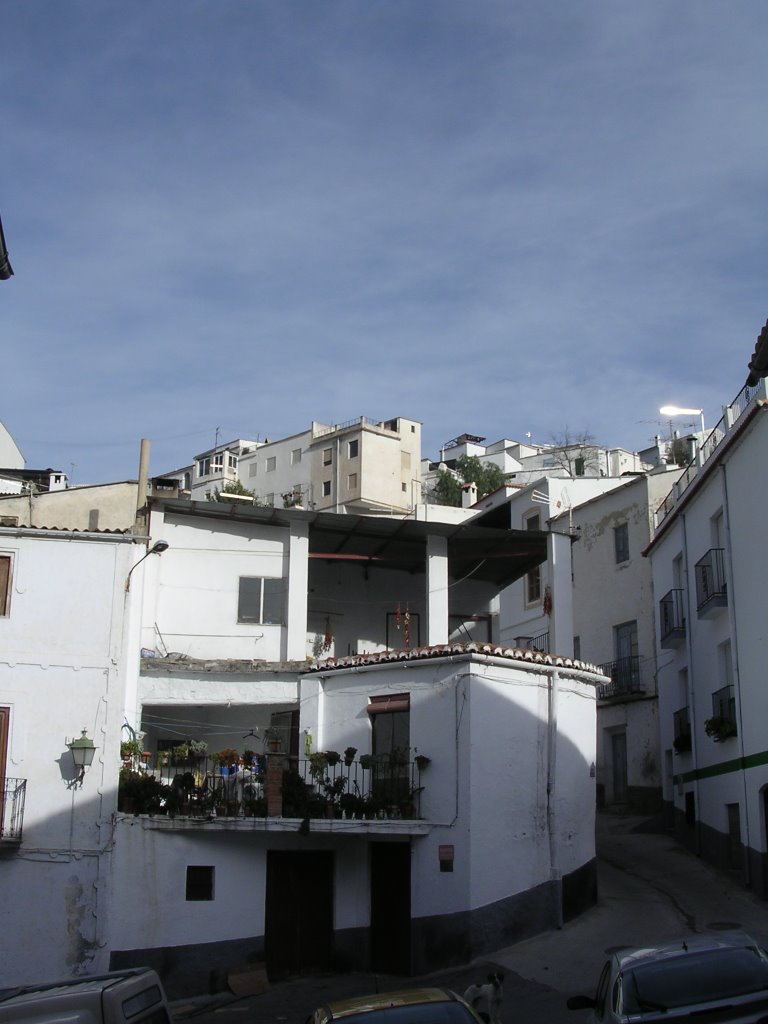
{"x":710,"y":979}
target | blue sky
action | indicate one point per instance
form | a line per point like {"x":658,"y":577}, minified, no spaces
{"x":493,"y":217}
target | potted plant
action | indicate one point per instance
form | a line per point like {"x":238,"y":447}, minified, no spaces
{"x":349,"y":756}
{"x":682,"y":743}
{"x":129,"y":749}
{"x":318,"y":764}
{"x":197,"y":749}
{"x":274,"y":739}
{"x":422,"y":761}
{"x":140,"y":793}
{"x":333,"y":757}
{"x":226,"y":758}
{"x":719,"y":728}
{"x":367,"y":761}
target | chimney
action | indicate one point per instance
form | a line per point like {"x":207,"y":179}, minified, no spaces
{"x":468,"y":494}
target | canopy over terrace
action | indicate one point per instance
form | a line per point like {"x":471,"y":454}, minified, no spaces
{"x":450,"y":557}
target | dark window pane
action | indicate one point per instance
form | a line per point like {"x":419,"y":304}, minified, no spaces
{"x":249,"y":601}
{"x":273,"y":601}
{"x":199,"y":882}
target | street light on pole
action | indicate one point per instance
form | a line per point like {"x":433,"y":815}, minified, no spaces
{"x":674,"y":410}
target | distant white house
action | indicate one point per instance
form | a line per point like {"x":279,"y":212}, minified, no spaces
{"x":710,"y":580}
{"x":362,"y":465}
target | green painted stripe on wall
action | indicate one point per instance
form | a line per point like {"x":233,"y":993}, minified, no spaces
{"x":738,"y":764}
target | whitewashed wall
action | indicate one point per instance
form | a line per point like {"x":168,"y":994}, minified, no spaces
{"x":62,"y":669}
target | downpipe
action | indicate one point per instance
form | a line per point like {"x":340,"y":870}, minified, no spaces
{"x":553,"y":682}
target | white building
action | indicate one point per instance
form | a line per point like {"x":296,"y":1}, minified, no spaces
{"x":711,"y":585}
{"x":243,"y":597}
{"x":62,"y":670}
{"x":257,"y":864}
{"x":363,"y":465}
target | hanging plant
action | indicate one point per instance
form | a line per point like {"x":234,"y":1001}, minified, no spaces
{"x":349,"y":756}
{"x":422,"y":761}
{"x":317,"y":765}
{"x":719,"y":728}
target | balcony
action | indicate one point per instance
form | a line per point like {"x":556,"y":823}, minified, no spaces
{"x":625,"y":678}
{"x":12,"y":810}
{"x":722,"y":725}
{"x":672,"y":619}
{"x":682,"y":741}
{"x":534,"y":643}
{"x":711,"y":594}
{"x":285,"y":793}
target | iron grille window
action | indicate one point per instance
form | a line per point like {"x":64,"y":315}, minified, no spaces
{"x":724,"y":704}
{"x":682,"y":730}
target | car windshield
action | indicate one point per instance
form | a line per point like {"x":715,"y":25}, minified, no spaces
{"x":421,"y":1013}
{"x":694,"y":978}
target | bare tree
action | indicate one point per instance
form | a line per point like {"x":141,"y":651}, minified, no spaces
{"x":575,"y":451}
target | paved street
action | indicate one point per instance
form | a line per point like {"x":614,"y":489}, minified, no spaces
{"x":649,"y":889}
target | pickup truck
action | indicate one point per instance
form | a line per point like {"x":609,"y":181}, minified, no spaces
{"x":134,"y":995}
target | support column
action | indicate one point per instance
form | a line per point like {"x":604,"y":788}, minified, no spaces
{"x":437,"y":590}
{"x":296,"y":600}
{"x":561,"y":592}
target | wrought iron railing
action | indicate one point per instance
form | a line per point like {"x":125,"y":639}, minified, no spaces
{"x":376,"y":787}
{"x":709,"y":446}
{"x":672,"y":616}
{"x":12,"y":810}
{"x":538,"y":643}
{"x":710,"y":579}
{"x":625,"y":678}
{"x":681,"y":723}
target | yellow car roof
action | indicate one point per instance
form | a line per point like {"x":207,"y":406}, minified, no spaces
{"x":381,"y":1000}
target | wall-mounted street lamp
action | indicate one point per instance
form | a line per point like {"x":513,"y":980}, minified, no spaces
{"x":82,"y":751}
{"x":674,"y":410}
{"x":157,"y":549}
{"x":6,"y":270}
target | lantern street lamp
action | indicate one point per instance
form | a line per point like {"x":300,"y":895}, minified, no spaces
{"x":82,"y":751}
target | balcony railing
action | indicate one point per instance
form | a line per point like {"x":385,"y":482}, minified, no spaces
{"x":711,"y":593}
{"x":625,"y":678}
{"x":12,"y":810}
{"x":534,"y":643}
{"x":672,"y":619}
{"x":710,"y":445}
{"x":379,"y":787}
{"x":682,"y":731}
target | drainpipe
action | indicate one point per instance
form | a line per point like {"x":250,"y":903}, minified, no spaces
{"x":552,"y":695}
{"x":732,"y":619}
{"x":691,"y":680}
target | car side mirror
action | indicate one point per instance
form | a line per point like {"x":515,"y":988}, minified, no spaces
{"x":580,"y":1003}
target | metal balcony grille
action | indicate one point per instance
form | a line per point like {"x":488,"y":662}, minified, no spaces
{"x":12,"y":810}
{"x":682,"y":730}
{"x":672,"y":619}
{"x":534,"y":643}
{"x":710,"y":583}
{"x":625,"y":678}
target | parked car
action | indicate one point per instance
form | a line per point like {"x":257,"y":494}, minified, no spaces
{"x":719,"y":977}
{"x":409,"y":1006}
{"x":134,"y":995}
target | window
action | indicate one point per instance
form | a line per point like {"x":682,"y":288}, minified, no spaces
{"x":353,"y":449}
{"x":271,"y":463}
{"x":199,"y":882}
{"x":621,"y":542}
{"x":5,"y":583}
{"x":404,"y":488}
{"x":217,"y":462}
{"x":405,"y":461}
{"x":390,"y":745}
{"x":295,"y":456}
{"x":260,"y":599}
{"x":577,"y":648}
{"x":203,"y":467}
{"x":231,"y":461}
{"x":533,"y":578}
{"x":327,"y":456}
{"x":253,"y":469}
{"x":326,"y":488}
{"x":626,"y":670}
{"x":352,"y":481}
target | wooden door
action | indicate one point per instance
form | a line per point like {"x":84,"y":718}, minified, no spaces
{"x":298,"y":929}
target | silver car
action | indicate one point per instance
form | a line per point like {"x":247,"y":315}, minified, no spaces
{"x":718,"y":978}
